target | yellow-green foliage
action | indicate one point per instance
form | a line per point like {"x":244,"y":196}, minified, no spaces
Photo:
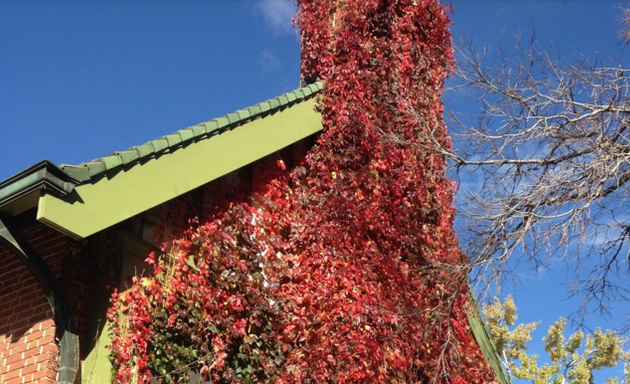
{"x":573,"y":359}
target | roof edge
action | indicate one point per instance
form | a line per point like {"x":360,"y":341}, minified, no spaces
{"x":481,"y":333}
{"x":42,"y":175}
{"x":99,"y":167}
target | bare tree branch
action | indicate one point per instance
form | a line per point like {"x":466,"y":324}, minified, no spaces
{"x":549,"y":152}
{"x":624,"y":20}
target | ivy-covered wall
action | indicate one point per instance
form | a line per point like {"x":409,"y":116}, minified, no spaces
{"x":341,"y":267}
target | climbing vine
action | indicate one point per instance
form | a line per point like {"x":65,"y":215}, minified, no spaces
{"x":342,"y":266}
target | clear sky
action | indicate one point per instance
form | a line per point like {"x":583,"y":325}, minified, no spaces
{"x":80,"y":79}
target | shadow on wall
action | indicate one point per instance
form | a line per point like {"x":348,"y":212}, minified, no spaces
{"x":27,"y":327}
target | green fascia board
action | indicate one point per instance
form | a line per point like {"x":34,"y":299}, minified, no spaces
{"x":198,"y":130}
{"x":244,"y":114}
{"x":274,"y":103}
{"x":482,"y":337}
{"x":95,"y":168}
{"x":211,"y":126}
{"x":109,"y":164}
{"x":255,"y":111}
{"x":103,"y":202}
{"x":144,"y":150}
{"x":223,"y":122}
{"x":283,"y":99}
{"x":264,"y":107}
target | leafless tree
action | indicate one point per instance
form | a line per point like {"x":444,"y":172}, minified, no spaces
{"x":548,"y":154}
{"x":624,"y":20}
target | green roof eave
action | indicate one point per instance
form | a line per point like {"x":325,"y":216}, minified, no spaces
{"x":126,"y":183}
{"x":112,"y":163}
{"x":20,"y":192}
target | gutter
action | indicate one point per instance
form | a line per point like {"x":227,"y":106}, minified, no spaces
{"x":43,"y":176}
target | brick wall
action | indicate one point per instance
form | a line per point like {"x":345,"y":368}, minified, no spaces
{"x":28,"y":348}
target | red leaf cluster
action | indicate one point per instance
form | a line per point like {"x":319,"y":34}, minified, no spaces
{"x":345,"y":269}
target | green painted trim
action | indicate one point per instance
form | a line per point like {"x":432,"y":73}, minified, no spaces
{"x":109,"y":165}
{"x":482,"y":337}
{"x":106,"y":201}
{"x":96,"y":368}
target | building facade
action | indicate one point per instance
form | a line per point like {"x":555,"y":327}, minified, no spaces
{"x":70,"y":235}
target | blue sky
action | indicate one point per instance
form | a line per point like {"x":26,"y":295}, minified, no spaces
{"x":80,"y":79}
{"x":577,"y":29}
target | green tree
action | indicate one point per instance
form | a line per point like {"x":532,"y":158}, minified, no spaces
{"x":572,"y":360}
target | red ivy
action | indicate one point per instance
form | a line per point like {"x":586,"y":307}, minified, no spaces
{"x":345,"y":269}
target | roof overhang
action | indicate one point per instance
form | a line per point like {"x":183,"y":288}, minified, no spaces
{"x":22,"y":191}
{"x":104,"y":201}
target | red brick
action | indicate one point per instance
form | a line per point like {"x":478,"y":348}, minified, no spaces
{"x":11,"y":375}
{"x":43,"y":374}
{"x":32,"y":358}
{"x":28,"y":369}
{"x":29,"y":296}
{"x":30,"y":361}
{"x":45,"y":357}
{"x":32,"y":352}
{"x":49,"y":347}
{"x":34,"y":335}
{"x":12,"y":359}
{"x":50,"y":323}
{"x":17,"y":348}
{"x":22,"y":308}
{"x":37,"y":316}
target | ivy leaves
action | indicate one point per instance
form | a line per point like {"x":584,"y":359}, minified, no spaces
{"x":342,"y":268}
